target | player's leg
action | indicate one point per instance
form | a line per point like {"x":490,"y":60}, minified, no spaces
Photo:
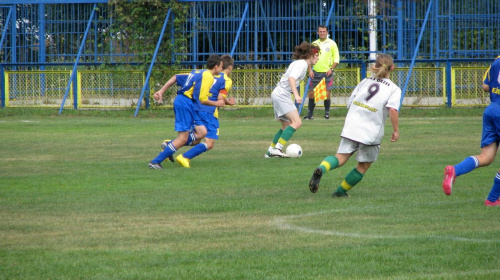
{"x":346,"y":149}
{"x":327,"y":102}
{"x":289,"y":126}
{"x":492,"y":199}
{"x":184,"y":119}
{"x":211,"y":126}
{"x":169,"y":150}
{"x":328,"y":163}
{"x":276,"y":137}
{"x":310,"y":104}
{"x":286,"y":113}
{"x":366,"y":155}
{"x":351,"y":179}
{"x":489,"y":147}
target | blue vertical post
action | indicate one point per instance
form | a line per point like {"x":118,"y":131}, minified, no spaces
{"x":2,"y":86}
{"x":239,"y":29}
{"x":6,"y":27}
{"x":436,"y":30}
{"x":172,"y":37}
{"x":73,"y":73}
{"x":416,"y":52}
{"x":41,"y":46}
{"x":146,"y":83}
{"x":2,"y":78}
{"x":195,"y":33}
{"x":13,"y":37}
{"x":400,"y":29}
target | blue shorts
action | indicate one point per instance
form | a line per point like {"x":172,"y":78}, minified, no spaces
{"x":211,"y":123}
{"x":184,"y":113}
{"x":491,"y":125}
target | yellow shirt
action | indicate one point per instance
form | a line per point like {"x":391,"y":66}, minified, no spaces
{"x":328,"y":55}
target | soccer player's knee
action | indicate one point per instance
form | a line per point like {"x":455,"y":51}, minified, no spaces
{"x":209,"y":145}
{"x":297,"y":124}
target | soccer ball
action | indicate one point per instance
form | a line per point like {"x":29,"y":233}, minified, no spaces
{"x":294,"y":151}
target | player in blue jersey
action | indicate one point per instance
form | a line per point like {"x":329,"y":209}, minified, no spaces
{"x":209,"y":115}
{"x":194,"y":91}
{"x":489,"y":141}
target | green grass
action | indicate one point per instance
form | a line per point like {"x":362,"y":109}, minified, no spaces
{"x":77,"y":201}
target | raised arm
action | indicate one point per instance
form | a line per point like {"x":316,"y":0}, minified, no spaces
{"x":158,"y":96}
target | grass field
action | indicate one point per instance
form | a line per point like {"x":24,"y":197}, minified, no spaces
{"x":77,"y":201}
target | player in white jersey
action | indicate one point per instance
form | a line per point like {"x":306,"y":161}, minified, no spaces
{"x":370,"y":103}
{"x":284,"y":109}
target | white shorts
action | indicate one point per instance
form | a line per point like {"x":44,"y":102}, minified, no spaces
{"x":282,"y":103}
{"x":365,"y":153}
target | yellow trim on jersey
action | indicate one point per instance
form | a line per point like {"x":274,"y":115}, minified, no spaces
{"x":206,"y":83}
{"x":189,"y":92}
{"x":364,"y":106}
{"x":229,"y":83}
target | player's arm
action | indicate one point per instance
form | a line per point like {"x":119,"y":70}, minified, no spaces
{"x":207,"y":82}
{"x":486,"y":79}
{"x":225,"y":91}
{"x":228,"y":101}
{"x":158,"y":96}
{"x":293,"y":86}
{"x":394,"y":116}
{"x":335,"y":55}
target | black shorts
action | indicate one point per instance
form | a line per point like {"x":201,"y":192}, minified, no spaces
{"x":318,"y":76}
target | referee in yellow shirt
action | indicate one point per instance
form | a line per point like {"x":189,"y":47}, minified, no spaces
{"x":328,"y":59}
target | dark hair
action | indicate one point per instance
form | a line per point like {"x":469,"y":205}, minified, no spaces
{"x":227,"y":61}
{"x":304,"y":51}
{"x":322,"y":26}
{"x":212,"y":61}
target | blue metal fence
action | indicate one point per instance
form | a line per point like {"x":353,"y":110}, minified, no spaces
{"x":51,"y":31}
{"x":38,"y":34}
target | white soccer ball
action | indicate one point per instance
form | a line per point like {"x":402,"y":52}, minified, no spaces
{"x":294,"y":151}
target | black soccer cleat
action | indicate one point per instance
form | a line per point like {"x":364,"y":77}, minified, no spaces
{"x":316,"y":177}
{"x":336,"y":194}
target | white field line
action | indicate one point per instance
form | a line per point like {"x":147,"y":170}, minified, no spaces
{"x":285,"y":223}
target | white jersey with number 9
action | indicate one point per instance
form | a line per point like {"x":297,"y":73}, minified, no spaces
{"x":368,"y":109}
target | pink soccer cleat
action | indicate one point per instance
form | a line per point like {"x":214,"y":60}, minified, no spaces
{"x":449,"y":179}
{"x":489,"y":203}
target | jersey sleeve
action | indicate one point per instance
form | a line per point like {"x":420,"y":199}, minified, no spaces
{"x":181,"y":79}
{"x":395,"y":99}
{"x":206,"y":83}
{"x":297,"y":69}
{"x":486,"y":77}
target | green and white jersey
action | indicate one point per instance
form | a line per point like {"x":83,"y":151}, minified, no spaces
{"x":297,"y":70}
{"x":328,"y":55}
{"x":368,"y":110}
